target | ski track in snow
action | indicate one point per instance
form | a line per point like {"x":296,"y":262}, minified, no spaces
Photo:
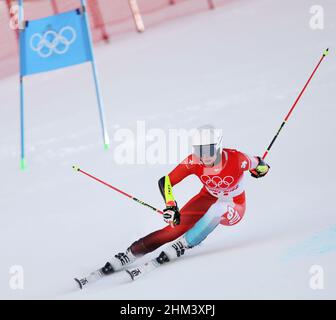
{"x":239,"y":67}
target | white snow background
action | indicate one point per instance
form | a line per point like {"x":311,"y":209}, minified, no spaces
{"x":240,"y":68}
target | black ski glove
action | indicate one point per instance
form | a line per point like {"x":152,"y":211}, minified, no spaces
{"x":260,"y":170}
{"x":172,"y":215}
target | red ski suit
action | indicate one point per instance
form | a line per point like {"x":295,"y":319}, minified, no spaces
{"x":222,"y":182}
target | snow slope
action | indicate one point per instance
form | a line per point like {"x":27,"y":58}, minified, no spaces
{"x":240,"y":68}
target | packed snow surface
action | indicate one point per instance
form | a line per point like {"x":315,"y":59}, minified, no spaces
{"x":240,"y":68}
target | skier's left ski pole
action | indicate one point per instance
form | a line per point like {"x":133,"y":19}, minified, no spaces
{"x":116,"y":189}
{"x":325,"y":53}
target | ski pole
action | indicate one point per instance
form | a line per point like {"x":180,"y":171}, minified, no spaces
{"x":116,"y":189}
{"x":325,"y":53}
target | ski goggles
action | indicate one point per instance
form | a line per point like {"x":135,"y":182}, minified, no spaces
{"x":205,"y":151}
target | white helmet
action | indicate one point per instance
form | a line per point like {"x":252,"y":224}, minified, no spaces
{"x":207,"y":141}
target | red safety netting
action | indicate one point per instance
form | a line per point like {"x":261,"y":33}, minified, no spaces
{"x":108,"y":19}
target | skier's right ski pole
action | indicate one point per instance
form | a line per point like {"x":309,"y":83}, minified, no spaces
{"x":295,"y":103}
{"x":116,"y":189}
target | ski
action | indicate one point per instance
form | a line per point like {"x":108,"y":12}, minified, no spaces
{"x":91,"y":278}
{"x":147,"y":267}
{"x":118,"y":263}
{"x":143,"y":269}
{"x":134,"y":273}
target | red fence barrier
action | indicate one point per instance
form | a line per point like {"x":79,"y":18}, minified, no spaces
{"x":108,"y":18}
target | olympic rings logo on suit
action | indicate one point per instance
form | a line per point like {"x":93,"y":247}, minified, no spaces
{"x":53,"y":42}
{"x":217,"y":182}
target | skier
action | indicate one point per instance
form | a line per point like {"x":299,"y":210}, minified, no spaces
{"x":220,"y":201}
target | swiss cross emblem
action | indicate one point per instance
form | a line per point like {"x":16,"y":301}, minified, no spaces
{"x":243,"y":165}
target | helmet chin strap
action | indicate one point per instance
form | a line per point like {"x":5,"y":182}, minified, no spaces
{"x":218,"y":156}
